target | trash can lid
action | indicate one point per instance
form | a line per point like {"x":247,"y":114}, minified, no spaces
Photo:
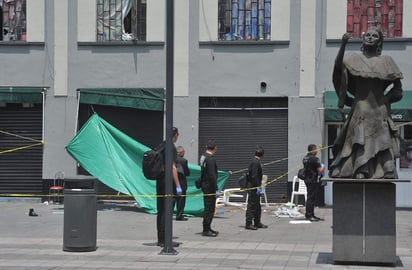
{"x":79,"y":182}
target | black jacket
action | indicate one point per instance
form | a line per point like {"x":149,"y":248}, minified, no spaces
{"x":255,"y":173}
{"x":182,"y":171}
{"x":209,"y":182}
{"x":311,"y":163}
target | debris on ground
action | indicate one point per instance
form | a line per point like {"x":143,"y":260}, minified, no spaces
{"x":287,"y":211}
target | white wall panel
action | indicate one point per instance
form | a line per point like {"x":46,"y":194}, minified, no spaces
{"x":35,"y":20}
{"x":86,"y":20}
{"x":208,"y":20}
{"x":181,"y":48}
{"x":61,"y":26}
{"x":407,"y":19}
{"x":307,"y":48}
{"x":156,"y":20}
{"x":280,"y":20}
{"x":336,"y":12}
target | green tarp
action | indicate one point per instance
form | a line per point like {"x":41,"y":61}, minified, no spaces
{"x":138,"y":98}
{"x":401,"y":111}
{"x":115,"y":159}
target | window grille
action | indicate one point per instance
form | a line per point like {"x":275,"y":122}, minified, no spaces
{"x":13,"y":20}
{"x":244,"y":19}
{"x":121,"y":20}
{"x":385,"y":14}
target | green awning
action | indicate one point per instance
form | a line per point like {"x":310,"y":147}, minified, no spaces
{"x":401,"y":111}
{"x":138,"y":98}
{"x":21,"y":95}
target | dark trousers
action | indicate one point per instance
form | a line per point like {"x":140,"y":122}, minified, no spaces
{"x":254,"y":209}
{"x":312,"y":189}
{"x":209,"y":211}
{"x":161,"y":211}
{"x":181,"y":202}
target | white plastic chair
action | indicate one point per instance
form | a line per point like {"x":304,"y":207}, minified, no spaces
{"x":263,"y":193}
{"x":301,"y":190}
{"x":230,"y":193}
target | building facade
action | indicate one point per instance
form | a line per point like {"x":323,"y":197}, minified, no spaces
{"x":246,"y":72}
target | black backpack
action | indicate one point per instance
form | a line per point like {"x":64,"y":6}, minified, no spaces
{"x":203,"y":171}
{"x":153,"y":164}
{"x":302,"y":173}
{"x":243,"y":180}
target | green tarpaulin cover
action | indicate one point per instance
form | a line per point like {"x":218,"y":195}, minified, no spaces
{"x":116,"y":160}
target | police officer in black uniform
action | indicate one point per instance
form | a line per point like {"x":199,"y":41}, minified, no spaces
{"x":254,"y":209}
{"x":182,"y":171}
{"x":313,"y":169}
{"x":209,"y":187}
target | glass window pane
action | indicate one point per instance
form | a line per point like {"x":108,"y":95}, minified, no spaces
{"x":13,"y":20}
{"x":244,"y":19}
{"x":385,"y":14}
{"x":121,"y":20}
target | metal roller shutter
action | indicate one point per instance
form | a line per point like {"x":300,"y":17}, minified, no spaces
{"x":238,"y":125}
{"x":21,"y":170}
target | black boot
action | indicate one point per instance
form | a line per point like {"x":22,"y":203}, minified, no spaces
{"x":215,"y":232}
{"x":250,"y":227}
{"x":209,"y":234}
{"x":207,"y":231}
{"x":32,"y":213}
{"x":260,"y":225}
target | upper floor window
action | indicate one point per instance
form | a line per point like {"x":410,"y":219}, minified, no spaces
{"x":244,"y":19}
{"x":121,"y":20}
{"x":13,"y":20}
{"x":385,"y":14}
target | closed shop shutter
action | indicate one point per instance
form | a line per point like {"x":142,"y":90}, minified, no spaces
{"x":238,"y":125}
{"x":21,"y":170}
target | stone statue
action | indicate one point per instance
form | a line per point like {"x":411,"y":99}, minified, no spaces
{"x":367,"y":146}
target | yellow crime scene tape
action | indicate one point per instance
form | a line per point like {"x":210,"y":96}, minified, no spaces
{"x":321,"y":147}
{"x":38,"y":142}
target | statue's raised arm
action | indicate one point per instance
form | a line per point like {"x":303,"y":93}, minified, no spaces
{"x":339,"y":76}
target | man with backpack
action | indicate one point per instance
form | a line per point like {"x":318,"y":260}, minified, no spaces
{"x":161,"y":191}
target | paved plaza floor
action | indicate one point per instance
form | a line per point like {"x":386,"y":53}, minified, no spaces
{"x":126,"y":239}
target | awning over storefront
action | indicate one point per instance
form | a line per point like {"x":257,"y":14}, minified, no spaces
{"x":138,"y":98}
{"x":21,"y":94}
{"x":401,"y":110}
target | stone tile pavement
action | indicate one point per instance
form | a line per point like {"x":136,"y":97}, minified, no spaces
{"x":126,"y":240}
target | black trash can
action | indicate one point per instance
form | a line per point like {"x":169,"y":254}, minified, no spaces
{"x":80,"y":214}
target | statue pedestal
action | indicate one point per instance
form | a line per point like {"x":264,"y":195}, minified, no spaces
{"x":364,"y":220}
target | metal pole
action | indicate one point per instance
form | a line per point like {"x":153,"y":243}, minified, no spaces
{"x":168,"y":248}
